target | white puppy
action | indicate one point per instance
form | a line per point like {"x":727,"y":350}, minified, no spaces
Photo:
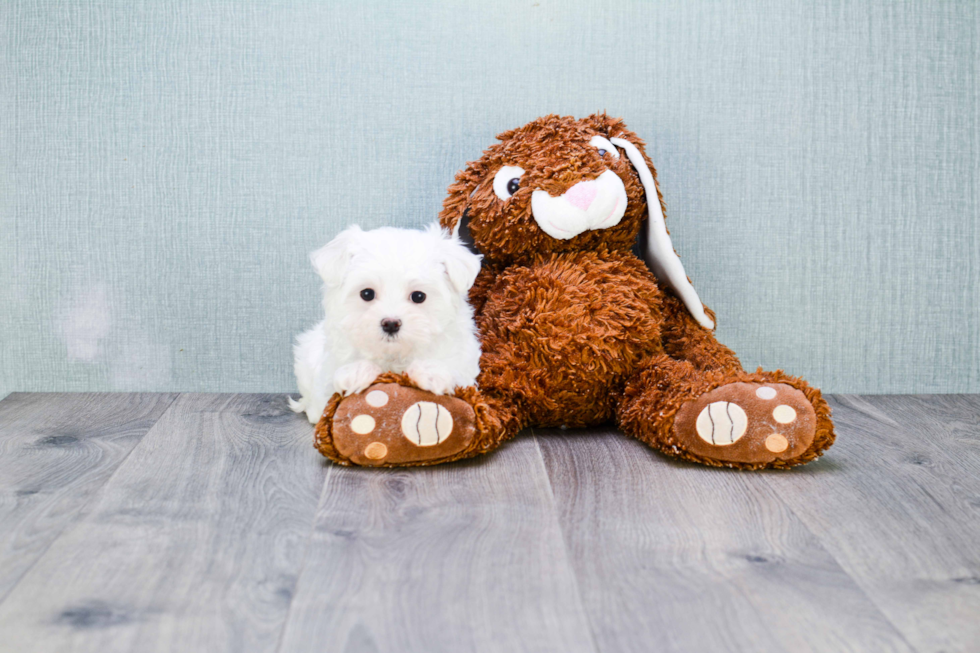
{"x":395,"y":300}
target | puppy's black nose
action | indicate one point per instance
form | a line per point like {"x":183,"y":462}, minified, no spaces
{"x":390,"y":326}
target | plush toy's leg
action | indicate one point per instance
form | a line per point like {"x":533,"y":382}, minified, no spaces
{"x":697,"y":403}
{"x":685,"y":339}
{"x":394,"y":424}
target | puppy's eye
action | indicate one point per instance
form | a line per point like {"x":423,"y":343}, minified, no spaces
{"x":507,"y":181}
{"x":604,"y":146}
{"x":367,"y":294}
{"x":418,"y":296}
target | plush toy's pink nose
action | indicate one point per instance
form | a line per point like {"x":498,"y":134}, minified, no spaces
{"x":581,"y":194}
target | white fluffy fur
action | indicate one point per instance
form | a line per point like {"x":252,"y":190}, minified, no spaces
{"x":437,"y":344}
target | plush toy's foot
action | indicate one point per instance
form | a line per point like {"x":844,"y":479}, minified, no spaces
{"x":753,"y":424}
{"x":391,"y":425}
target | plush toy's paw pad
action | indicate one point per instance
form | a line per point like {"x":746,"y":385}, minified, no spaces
{"x":747,"y":423}
{"x":392,"y":424}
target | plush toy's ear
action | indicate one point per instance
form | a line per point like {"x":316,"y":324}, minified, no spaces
{"x":454,"y":216}
{"x":659,"y":252}
{"x":331,"y":260}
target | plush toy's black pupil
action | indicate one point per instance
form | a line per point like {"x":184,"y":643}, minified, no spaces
{"x":602,"y":153}
{"x":418,"y":297}
{"x":513,"y":185}
{"x":367,"y":294}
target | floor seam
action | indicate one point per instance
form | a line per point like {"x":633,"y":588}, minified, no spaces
{"x":564,"y":542}
{"x":306,"y":555}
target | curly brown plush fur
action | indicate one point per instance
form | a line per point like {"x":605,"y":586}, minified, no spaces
{"x":579,"y":332}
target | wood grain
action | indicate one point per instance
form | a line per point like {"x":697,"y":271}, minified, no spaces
{"x":56,"y":451}
{"x":898,"y":505}
{"x":465,"y":557}
{"x":195,"y":544}
{"x":214,"y":531}
{"x":676,"y":557}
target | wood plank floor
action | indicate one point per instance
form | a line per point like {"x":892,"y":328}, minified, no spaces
{"x":209,"y":523}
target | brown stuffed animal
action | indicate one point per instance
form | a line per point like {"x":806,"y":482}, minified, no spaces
{"x":576,"y":329}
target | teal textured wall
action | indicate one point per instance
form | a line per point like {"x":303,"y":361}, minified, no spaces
{"x":165,"y":167}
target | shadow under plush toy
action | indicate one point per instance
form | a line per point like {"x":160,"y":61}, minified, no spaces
{"x":576,"y":329}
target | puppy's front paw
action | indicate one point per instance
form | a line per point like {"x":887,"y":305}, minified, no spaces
{"x":355,"y":377}
{"x":432,"y":376}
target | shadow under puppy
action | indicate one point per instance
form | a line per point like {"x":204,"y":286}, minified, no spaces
{"x":394,"y":301}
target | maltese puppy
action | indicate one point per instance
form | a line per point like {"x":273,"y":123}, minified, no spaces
{"x":395,"y":301}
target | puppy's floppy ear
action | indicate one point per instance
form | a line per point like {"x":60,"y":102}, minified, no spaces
{"x":460,"y":263}
{"x":331,"y":260}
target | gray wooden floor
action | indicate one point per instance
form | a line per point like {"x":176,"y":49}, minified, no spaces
{"x":208,"y":523}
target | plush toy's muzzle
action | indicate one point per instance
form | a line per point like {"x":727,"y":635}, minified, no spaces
{"x":588,"y":205}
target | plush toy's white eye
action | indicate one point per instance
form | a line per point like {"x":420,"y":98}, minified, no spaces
{"x":603,"y":145}
{"x":507,"y":181}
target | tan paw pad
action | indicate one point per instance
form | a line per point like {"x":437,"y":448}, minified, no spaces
{"x":376,"y":451}
{"x":776,"y":443}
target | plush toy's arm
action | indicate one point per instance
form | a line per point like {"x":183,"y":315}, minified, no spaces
{"x":481,"y":287}
{"x":685,"y":339}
